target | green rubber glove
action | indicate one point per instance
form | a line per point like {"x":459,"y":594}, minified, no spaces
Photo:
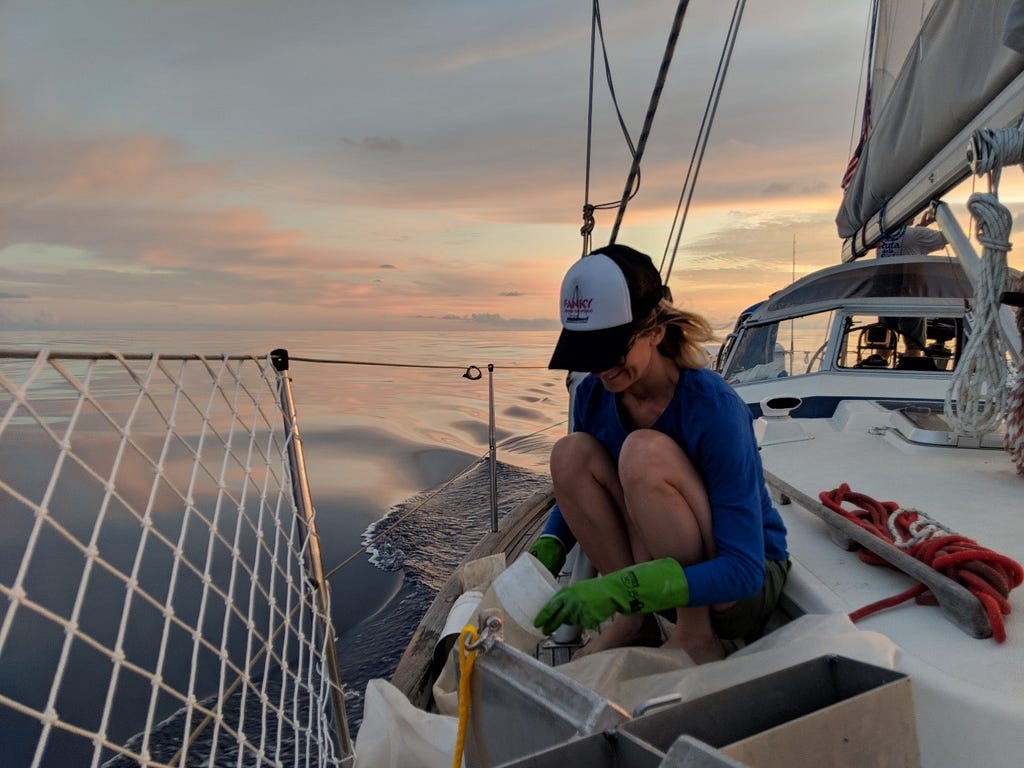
{"x":551,"y":552}
{"x":642,"y":588}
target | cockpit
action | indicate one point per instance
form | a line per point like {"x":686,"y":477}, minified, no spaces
{"x":859,"y":342}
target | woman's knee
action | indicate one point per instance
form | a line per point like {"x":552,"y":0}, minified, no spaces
{"x":575,"y":453}
{"x":648,"y":455}
{"x":657,"y":474}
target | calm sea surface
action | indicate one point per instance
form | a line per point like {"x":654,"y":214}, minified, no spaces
{"x":379,"y":441}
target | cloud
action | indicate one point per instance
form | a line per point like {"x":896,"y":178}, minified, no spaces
{"x":494,"y":320}
{"x":386,"y":144}
{"x":157,"y":168}
{"x":123,"y":169}
{"x":784,"y":189}
{"x":162,"y":237}
{"x":97,"y":231}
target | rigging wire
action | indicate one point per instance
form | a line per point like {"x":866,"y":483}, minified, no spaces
{"x":588,"y":210}
{"x":453,"y":367}
{"x":703,"y":134}
{"x":634,"y":176}
{"x":634,"y":171}
{"x":597,"y":33}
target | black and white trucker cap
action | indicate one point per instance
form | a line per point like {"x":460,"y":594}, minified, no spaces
{"x":605,"y":296}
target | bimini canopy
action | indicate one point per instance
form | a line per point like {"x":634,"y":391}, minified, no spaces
{"x":904,"y":280}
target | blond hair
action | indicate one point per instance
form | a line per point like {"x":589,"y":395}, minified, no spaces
{"x":685,"y":334}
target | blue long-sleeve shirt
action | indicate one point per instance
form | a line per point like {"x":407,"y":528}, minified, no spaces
{"x":714,"y":427}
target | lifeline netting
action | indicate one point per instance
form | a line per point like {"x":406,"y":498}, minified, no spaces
{"x":155,"y":606}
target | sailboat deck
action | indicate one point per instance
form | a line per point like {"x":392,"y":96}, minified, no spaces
{"x":974,"y":492}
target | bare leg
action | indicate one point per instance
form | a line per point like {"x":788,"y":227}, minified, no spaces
{"x":652,"y":505}
{"x":590,"y":496}
{"x":668,"y":507}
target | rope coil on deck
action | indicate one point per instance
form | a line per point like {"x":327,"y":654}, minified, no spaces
{"x":987,"y":575}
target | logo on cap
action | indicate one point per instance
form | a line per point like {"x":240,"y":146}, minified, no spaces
{"x":576,"y":309}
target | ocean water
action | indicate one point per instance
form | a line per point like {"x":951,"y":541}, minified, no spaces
{"x":394,"y":436}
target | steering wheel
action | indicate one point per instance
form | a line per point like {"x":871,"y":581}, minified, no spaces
{"x":819,"y":353}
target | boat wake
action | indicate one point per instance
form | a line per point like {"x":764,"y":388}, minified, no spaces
{"x":425,"y":537}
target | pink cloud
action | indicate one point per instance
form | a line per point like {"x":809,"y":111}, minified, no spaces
{"x":126,"y":169}
{"x":135,"y":166}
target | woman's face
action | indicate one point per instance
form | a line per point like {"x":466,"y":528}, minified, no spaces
{"x":635,"y":362}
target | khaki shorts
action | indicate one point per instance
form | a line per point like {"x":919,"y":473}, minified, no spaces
{"x":746,"y":619}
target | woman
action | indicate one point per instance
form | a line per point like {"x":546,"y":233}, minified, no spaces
{"x":660,"y":481}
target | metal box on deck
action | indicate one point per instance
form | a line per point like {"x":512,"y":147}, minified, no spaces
{"x":826,"y":711}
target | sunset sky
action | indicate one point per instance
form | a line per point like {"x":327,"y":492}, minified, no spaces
{"x":361,"y":164}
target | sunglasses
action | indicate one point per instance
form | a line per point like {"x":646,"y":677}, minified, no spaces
{"x":627,"y":350}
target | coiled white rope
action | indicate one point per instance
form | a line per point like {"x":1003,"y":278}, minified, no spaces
{"x":992,"y":149}
{"x":976,"y":397}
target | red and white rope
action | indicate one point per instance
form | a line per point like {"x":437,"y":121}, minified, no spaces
{"x":987,"y":575}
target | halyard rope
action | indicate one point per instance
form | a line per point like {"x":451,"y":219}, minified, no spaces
{"x":976,"y":396}
{"x":994,"y":148}
{"x":988,"y":575}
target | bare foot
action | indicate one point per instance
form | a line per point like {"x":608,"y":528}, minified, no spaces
{"x":623,"y":631}
{"x":700,"y":649}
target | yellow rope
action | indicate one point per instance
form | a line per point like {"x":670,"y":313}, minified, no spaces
{"x":466,"y":661}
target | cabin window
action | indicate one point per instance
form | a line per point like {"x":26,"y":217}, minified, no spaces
{"x":810,"y":335}
{"x":909,"y":343}
{"x":778,"y":349}
{"x":758,"y":356}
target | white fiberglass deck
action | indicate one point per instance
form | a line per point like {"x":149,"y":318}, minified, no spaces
{"x":968,"y":691}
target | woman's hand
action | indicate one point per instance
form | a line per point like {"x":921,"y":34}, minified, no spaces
{"x":550,"y":551}
{"x":643,"y":588}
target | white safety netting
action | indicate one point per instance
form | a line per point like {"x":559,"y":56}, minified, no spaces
{"x":154,"y":604}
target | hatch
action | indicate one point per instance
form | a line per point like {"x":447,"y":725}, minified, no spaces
{"x":927,"y":425}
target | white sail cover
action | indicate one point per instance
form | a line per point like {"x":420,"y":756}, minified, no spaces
{"x":936,"y":65}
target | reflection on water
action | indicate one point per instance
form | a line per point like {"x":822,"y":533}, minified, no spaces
{"x":375,"y":437}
